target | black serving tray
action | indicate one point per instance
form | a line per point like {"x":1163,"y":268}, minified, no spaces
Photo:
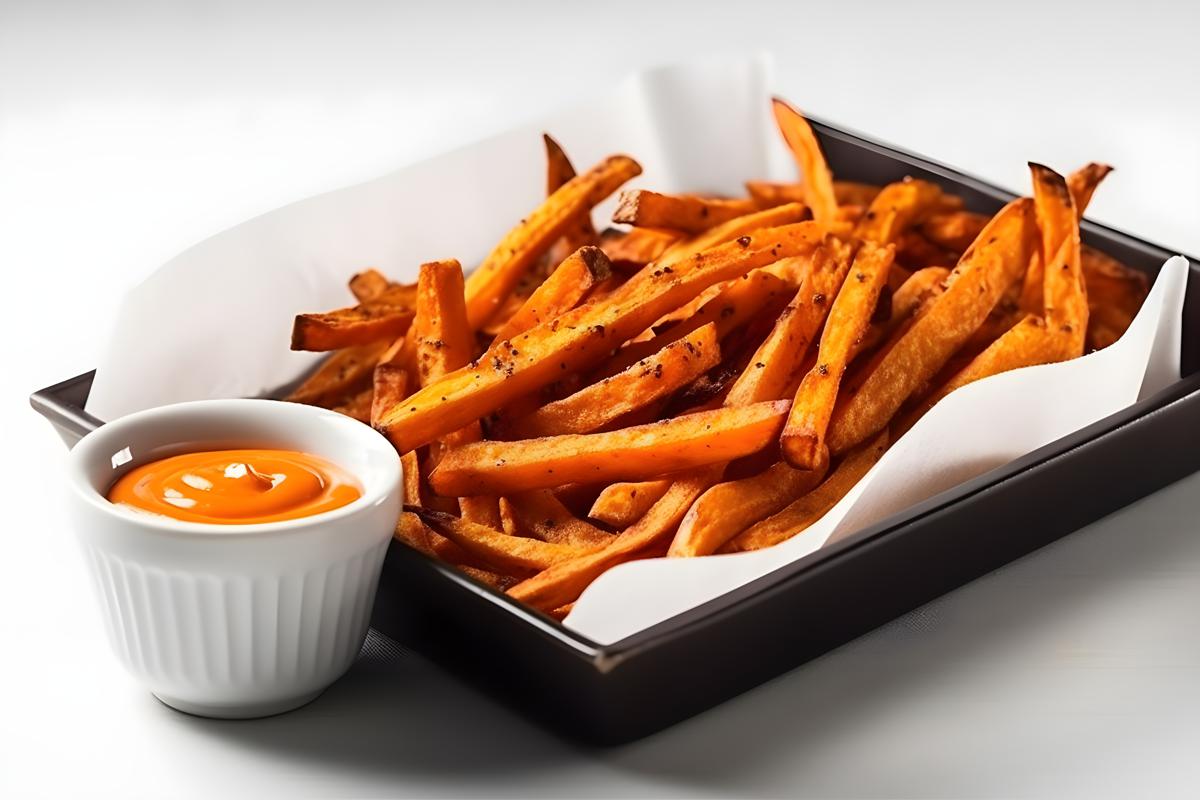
{"x":616,"y":693}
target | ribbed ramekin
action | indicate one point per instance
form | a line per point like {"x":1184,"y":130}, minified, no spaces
{"x":235,"y":621}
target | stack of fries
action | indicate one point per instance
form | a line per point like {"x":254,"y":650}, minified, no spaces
{"x":712,"y":378}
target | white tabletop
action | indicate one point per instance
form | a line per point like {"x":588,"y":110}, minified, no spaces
{"x":130,"y":131}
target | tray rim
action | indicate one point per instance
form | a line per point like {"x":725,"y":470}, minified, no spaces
{"x":67,"y":415}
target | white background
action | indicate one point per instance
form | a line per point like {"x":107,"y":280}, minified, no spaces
{"x":130,"y":131}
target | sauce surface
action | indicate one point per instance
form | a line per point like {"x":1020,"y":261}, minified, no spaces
{"x":237,"y":487}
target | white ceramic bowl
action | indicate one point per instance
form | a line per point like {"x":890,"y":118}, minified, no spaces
{"x":235,"y":621}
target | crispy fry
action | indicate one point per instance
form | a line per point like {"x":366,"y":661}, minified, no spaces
{"x":515,"y":553}
{"x":1083,"y":182}
{"x":581,"y":232}
{"x":543,"y":516}
{"x":809,"y":508}
{"x":339,"y":376}
{"x":390,"y":387}
{"x":898,"y":207}
{"x":629,"y":251}
{"x":738,"y":303}
{"x":488,"y":285}
{"x":644,"y":451}
{"x":779,"y":359}
{"x":729,"y":508}
{"x":729,"y":231}
{"x":440,"y":338}
{"x":622,"y":504}
{"x":686,"y":213}
{"x":920,"y":286}
{"x":648,"y":381}
{"x":368,"y":285}
{"x":817,"y":180}
{"x":1066,"y":307}
{"x":580,"y":338}
{"x":357,"y":405}
{"x":803,"y":439}
{"x":563,"y":583}
{"x":976,"y":284}
{"x":366,"y":323}
{"x":563,"y":290}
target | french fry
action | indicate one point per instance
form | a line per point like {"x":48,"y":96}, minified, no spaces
{"x":500,"y":271}
{"x":803,"y":439}
{"x":1065,"y":296}
{"x":648,"y":381}
{"x":685,"y":213}
{"x":368,"y":285}
{"x":390,"y":387}
{"x":564,"y":289}
{"x":740,"y":301}
{"x":629,"y":251}
{"x":637,"y":453}
{"x":560,"y":171}
{"x":734,"y":229}
{"x":339,"y":375}
{"x":916,"y":252}
{"x":440,"y":339}
{"x":769,"y":193}
{"x":1083,"y":182}
{"x":727,"y":509}
{"x":850,"y":193}
{"x":983,"y":274}
{"x":542,"y":515}
{"x":366,"y":323}
{"x":817,"y":181}
{"x":777,"y":363}
{"x":809,"y":508}
{"x":920,"y":286}
{"x":580,"y":338}
{"x":898,"y":207}
{"x":619,"y":505}
{"x":564,"y":582}
{"x":509,"y":553}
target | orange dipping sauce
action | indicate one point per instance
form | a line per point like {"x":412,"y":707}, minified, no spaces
{"x":237,"y":487}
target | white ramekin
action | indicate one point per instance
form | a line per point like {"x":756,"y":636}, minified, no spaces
{"x":235,"y":621}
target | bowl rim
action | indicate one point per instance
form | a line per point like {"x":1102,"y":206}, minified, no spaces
{"x":377,"y":489}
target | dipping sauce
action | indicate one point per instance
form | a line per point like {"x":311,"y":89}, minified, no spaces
{"x":237,"y":487}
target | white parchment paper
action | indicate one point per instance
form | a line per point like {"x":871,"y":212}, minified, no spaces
{"x":215,"y":321}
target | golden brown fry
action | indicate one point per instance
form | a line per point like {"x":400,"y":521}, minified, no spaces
{"x":777,"y":364}
{"x":543,"y":516}
{"x":728,"y":232}
{"x":987,"y":269}
{"x":811,"y":507}
{"x":637,"y":453}
{"x":1083,"y":182}
{"x":500,"y":271}
{"x":687,"y":213}
{"x":340,"y":375}
{"x":581,"y":232}
{"x":368,"y":285}
{"x":629,"y":251}
{"x":515,"y":553}
{"x":440,"y":338}
{"x":563,"y":583}
{"x":803,"y":439}
{"x":563,"y":290}
{"x":390,"y":387}
{"x":648,"y":381}
{"x":622,"y":504}
{"x":740,"y":301}
{"x":898,"y":207}
{"x":920,"y":286}
{"x":817,"y":180}
{"x":729,"y":508}
{"x":581,"y":337}
{"x":1065,"y":296}
{"x":357,"y":406}
{"x":366,"y":323}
